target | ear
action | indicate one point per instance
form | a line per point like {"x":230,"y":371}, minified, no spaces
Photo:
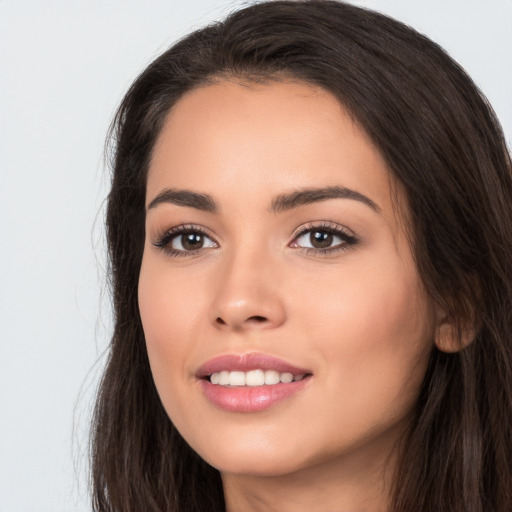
{"x":452,"y":336}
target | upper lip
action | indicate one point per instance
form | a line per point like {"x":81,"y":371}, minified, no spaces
{"x":247,"y":362}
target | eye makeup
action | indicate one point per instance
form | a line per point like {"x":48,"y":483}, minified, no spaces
{"x":180,"y":240}
{"x":315,"y":238}
{"x":322,"y":236}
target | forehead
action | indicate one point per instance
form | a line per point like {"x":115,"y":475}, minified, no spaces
{"x":240,"y":140}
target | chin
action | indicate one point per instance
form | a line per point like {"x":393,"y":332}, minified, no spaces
{"x":252,"y":455}
{"x":261,"y":465}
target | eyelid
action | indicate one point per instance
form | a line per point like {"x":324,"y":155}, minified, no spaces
{"x":164,"y":240}
{"x":323,"y":225}
{"x":348,"y":237}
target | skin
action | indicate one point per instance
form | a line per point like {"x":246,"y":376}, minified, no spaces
{"x":358,"y":318}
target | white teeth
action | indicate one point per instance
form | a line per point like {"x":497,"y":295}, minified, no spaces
{"x":271,"y":377}
{"x":237,"y":378}
{"x":286,"y":378}
{"x":253,"y":378}
{"x":224,"y":378}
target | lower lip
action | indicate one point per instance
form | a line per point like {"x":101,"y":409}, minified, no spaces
{"x":248,"y":398}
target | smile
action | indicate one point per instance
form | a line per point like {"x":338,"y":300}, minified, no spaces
{"x":250,"y":382}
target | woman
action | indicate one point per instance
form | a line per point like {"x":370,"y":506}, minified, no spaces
{"x":309,"y":229}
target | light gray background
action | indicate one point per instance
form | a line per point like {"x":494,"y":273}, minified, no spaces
{"x":64,"y":67}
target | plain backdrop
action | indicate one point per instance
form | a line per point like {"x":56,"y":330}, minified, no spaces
{"x":64,"y":68}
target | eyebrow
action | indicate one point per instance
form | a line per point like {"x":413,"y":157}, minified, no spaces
{"x":280,"y":203}
{"x":305,"y":196}
{"x":202,"y":202}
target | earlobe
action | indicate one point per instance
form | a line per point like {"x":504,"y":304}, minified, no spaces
{"x":451,"y":338}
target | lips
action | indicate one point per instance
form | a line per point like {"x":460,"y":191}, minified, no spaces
{"x":250,"y":382}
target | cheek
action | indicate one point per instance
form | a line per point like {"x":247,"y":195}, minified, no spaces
{"x":168,"y":316}
{"x":374,"y":331}
{"x":367,"y":302}
{"x":168,"y":303}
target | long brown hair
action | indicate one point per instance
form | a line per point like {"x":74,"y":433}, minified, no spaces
{"x":442,"y":142}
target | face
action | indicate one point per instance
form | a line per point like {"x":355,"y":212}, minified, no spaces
{"x":274,"y":253}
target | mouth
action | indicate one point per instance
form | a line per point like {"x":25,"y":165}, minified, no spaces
{"x":250,"y":382}
{"x":250,"y":370}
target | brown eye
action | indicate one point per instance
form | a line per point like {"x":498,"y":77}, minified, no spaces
{"x":320,"y":239}
{"x":324,"y":240}
{"x":190,"y":241}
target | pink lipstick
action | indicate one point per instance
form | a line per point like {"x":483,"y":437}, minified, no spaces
{"x":250,"y":382}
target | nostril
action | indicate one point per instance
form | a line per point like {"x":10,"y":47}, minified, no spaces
{"x":257,"y":318}
{"x":239,"y":321}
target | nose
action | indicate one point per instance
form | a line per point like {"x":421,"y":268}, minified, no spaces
{"x":247,"y":295}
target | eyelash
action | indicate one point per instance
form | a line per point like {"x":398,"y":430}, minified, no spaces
{"x":347,"y":237}
{"x":164,"y":241}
